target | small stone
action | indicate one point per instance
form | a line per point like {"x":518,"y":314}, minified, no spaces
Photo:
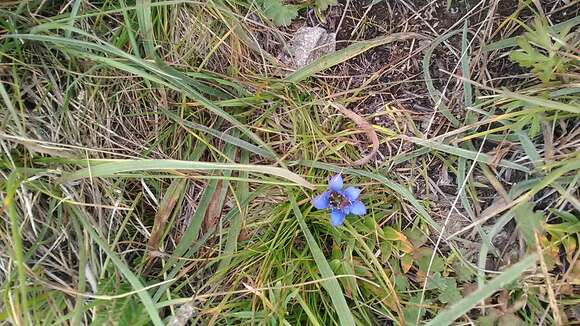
{"x":307,"y":45}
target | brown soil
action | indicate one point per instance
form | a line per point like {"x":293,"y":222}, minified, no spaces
{"x":393,"y":74}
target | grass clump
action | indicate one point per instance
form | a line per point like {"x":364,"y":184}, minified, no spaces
{"x":158,"y":164}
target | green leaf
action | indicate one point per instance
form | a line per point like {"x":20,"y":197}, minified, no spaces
{"x":324,"y":4}
{"x":463,"y":272}
{"x":529,"y":223}
{"x":449,"y":292}
{"x":416,"y":236}
{"x":386,"y":250}
{"x":412,"y":312}
{"x":447,"y":316}
{"x":539,"y":52}
{"x":510,"y":319}
{"x":424,"y":257}
{"x":122,"y":311}
{"x":560,"y":28}
{"x":390,"y":233}
{"x":401,"y":283}
{"x":486,"y":320}
{"x":437,"y":281}
{"x":279,"y":13}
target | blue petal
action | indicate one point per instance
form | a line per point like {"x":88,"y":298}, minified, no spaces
{"x":335,"y":183}
{"x":337,"y":217}
{"x":322,"y":201}
{"x":358,"y":208}
{"x":352,"y":193}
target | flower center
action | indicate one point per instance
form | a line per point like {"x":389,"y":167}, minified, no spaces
{"x":337,"y":200}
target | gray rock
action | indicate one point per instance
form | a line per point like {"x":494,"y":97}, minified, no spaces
{"x":307,"y":45}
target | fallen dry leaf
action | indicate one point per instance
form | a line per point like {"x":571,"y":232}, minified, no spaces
{"x":166,"y":206}
{"x":366,"y":127}
{"x":214,"y":209}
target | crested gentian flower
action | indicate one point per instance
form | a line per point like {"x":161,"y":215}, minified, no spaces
{"x":340,"y":201}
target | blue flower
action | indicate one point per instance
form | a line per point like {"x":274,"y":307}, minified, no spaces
{"x":340,"y":201}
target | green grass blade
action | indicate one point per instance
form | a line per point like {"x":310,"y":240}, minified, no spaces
{"x":572,"y":164}
{"x":118,"y":166}
{"x":466,"y":72}
{"x":331,"y":285}
{"x":123,"y":268}
{"x":194,"y":227}
{"x":82,"y":279}
{"x":534,"y":100}
{"x":11,"y":109}
{"x":178,"y":264}
{"x":73,"y":16}
{"x":436,"y":96}
{"x":12,"y":185}
{"x":220,"y":135}
{"x":164,"y":75}
{"x":129,"y":28}
{"x":529,"y":148}
{"x":242,"y":191}
{"x":143,"y":8}
{"x":464,"y":305}
{"x":472,"y":155}
{"x":332,"y":59}
{"x":146,"y":27}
